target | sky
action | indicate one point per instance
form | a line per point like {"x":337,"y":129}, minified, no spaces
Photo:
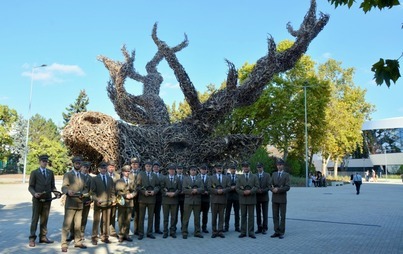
{"x":68,"y":36}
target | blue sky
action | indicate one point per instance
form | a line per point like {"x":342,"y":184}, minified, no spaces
{"x":69,"y":35}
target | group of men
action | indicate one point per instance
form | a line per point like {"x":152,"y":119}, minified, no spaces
{"x":135,"y":193}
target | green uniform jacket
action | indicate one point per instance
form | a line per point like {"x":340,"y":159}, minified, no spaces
{"x":242,"y":185}
{"x":144,"y":183}
{"x":188,"y":186}
{"x":122,"y":189}
{"x":283,"y":185}
{"x":214,"y":185}
{"x":78,"y":185}
{"x":167,"y":186}
{"x":102,"y":194}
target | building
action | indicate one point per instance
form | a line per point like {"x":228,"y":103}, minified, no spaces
{"x":383,"y":139}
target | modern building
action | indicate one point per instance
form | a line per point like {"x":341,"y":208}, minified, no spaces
{"x":384,"y":143}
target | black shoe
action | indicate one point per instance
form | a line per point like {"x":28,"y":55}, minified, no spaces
{"x":221,"y":235}
{"x":158,"y":232}
{"x":128,"y":239}
{"x":275,"y":235}
{"x":225,"y":230}
{"x":205,"y":231}
{"x":136,"y":233}
{"x":252,"y":236}
{"x":141,"y":237}
{"x":81,"y":246}
{"x":264,"y":231}
{"x":165,"y":236}
{"x":185,"y":237}
{"x":237,"y":230}
{"x":213,"y":235}
{"x":46,"y":240}
{"x":199,"y":236}
{"x":280,"y":236}
{"x":69,"y":239}
{"x":242,"y":236}
{"x":151,"y":236}
{"x":173,"y":235}
{"x":258,"y":231}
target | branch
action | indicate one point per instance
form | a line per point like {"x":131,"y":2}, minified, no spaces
{"x":224,"y":101}
{"x":185,"y":83}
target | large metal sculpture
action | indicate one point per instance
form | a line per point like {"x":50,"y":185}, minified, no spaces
{"x":145,"y":130}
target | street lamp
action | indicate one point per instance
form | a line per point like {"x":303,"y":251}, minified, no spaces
{"x":29,"y":115}
{"x":306,"y":139}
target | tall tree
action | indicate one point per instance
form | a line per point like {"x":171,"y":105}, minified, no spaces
{"x":19,"y":139}
{"x":279,"y":112}
{"x":384,"y":70}
{"x":345,"y":113}
{"x":80,"y":105}
{"x":8,"y":117}
{"x":46,"y":139}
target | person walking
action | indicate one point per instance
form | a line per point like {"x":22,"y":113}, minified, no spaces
{"x":357,"y":181}
{"x":280,"y":184}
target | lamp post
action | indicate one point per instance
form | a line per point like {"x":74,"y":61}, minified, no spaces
{"x":29,"y":115}
{"x":306,"y":139}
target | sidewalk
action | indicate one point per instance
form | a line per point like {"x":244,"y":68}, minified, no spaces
{"x":319,"y":220}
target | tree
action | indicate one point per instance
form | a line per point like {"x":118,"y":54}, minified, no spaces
{"x":279,"y":112}
{"x":80,"y":105}
{"x":19,"y":138}
{"x":385,"y":70}
{"x":346,"y":112}
{"x":8,"y":117}
{"x":46,"y":139}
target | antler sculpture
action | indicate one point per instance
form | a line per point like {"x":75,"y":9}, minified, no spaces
{"x":146,"y":132}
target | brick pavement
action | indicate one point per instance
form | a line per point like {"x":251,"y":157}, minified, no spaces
{"x":319,"y":220}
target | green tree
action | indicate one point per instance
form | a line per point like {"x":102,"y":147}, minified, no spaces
{"x":46,"y":139}
{"x":80,"y":105}
{"x":178,"y":113}
{"x":7,"y":118}
{"x":19,"y":138}
{"x":278,"y":115}
{"x":384,"y":70}
{"x":346,"y":112}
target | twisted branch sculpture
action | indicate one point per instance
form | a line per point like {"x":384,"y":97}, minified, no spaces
{"x":145,"y":130}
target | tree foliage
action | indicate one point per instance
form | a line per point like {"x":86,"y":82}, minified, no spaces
{"x":80,"y":105}
{"x":8,"y":117}
{"x":46,"y":139}
{"x":384,"y":70}
{"x":345,"y":113}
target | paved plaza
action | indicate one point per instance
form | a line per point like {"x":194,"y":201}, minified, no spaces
{"x":319,"y":220}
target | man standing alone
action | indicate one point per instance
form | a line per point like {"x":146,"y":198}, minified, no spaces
{"x":357,"y":181}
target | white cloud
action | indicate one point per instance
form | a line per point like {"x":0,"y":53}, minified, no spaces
{"x":327,"y":55}
{"x":171,"y":86}
{"x":54,"y":73}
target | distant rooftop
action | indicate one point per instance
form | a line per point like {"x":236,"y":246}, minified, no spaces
{"x":387,"y":123}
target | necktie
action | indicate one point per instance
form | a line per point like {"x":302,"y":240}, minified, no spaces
{"x":279,"y":175}
{"x":204,"y":179}
{"x":171,"y":179}
{"x":78,"y":175}
{"x":219,"y":178}
{"x":148,"y":176}
{"x":104,"y":180}
{"x":247,"y":177}
{"x":193,"y":179}
{"x":127,"y":182}
{"x":233,"y":178}
{"x":44,"y":173}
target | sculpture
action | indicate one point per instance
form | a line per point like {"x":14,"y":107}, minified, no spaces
{"x":145,"y":131}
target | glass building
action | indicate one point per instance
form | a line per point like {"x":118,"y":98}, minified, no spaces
{"x":384,"y":141}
